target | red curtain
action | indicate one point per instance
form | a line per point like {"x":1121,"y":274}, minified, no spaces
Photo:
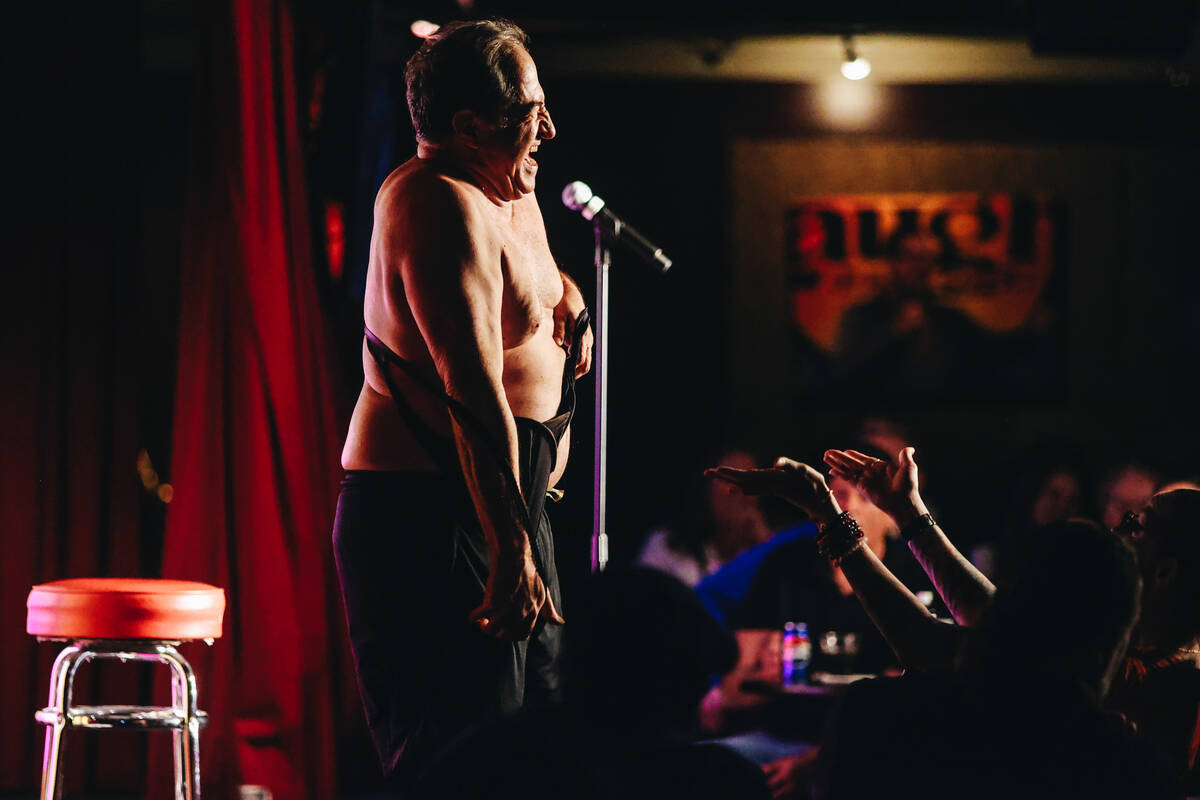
{"x":74,"y":351}
{"x":256,"y":434}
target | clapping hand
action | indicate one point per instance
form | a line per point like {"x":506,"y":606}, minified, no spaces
{"x":893,"y":486}
{"x":790,"y":480}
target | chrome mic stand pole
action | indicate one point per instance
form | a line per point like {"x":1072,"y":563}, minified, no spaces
{"x":600,"y":369}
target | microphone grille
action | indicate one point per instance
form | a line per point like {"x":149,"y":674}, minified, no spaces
{"x":577,"y":195}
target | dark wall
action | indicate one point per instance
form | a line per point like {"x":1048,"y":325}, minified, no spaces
{"x":660,"y":153}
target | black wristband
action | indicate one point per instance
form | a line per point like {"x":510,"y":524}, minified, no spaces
{"x":918,"y":526}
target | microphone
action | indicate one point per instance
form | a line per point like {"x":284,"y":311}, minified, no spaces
{"x":578,"y":196}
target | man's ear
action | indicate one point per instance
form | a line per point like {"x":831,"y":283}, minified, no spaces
{"x":466,"y":124}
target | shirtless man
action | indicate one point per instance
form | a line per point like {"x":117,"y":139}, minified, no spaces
{"x":444,"y":553}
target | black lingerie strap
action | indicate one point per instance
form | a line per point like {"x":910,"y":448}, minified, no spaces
{"x":435,"y":444}
{"x":566,"y":406}
{"x":440,"y":448}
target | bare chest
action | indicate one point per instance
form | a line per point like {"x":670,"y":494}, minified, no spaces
{"x":532,"y":285}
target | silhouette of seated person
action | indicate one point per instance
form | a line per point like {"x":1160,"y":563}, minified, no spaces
{"x":714,"y":525}
{"x":1158,"y":689}
{"x":1021,"y":715}
{"x":1165,"y":706}
{"x":640,"y":653}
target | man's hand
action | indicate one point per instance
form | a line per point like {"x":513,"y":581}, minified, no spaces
{"x":514,"y":599}
{"x":566,"y":315}
{"x":891,"y":486}
{"x":786,"y":777}
{"x":797,"y":483}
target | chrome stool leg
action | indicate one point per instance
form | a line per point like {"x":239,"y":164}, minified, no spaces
{"x":127,"y":619}
{"x":62,"y":676}
{"x":187,"y":740}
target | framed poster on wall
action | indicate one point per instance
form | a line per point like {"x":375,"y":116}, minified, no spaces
{"x":923,"y":296}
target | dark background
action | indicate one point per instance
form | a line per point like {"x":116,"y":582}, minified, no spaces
{"x":102,"y":103}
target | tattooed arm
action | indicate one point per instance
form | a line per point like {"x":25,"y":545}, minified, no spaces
{"x":893,"y":487}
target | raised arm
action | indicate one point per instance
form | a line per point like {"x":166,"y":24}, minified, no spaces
{"x":894,"y":488}
{"x":917,"y":637}
{"x":448,"y":263}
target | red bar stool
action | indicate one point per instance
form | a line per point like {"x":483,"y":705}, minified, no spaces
{"x":130,"y":619}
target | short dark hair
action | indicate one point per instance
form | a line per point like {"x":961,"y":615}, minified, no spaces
{"x":464,"y":65}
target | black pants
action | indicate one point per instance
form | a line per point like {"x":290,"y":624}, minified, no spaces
{"x":413,"y":564}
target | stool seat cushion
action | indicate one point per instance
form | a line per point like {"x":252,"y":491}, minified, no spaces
{"x":125,"y":608}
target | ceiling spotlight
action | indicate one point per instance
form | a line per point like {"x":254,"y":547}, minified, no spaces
{"x":423,"y":28}
{"x":854,"y":67}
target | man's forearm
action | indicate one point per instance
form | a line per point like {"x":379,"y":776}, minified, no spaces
{"x":490,"y":465}
{"x":498,"y":501}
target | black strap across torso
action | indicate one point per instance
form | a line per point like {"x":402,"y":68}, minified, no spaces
{"x":537,"y":441}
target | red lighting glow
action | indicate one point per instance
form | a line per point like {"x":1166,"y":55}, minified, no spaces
{"x":335,"y":238}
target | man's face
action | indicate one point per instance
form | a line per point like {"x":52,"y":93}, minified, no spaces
{"x":509,"y":148}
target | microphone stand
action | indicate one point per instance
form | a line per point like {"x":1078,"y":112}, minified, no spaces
{"x":600,"y":370}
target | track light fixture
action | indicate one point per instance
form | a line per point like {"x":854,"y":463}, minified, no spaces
{"x":854,"y":67}
{"x":423,"y":28}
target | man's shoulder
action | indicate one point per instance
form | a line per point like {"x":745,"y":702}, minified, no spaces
{"x":421,"y":198}
{"x":418,"y":184}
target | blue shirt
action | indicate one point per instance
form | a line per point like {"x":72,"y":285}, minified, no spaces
{"x":723,"y":592}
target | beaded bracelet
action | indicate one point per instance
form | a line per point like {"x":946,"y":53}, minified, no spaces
{"x":840,"y":538}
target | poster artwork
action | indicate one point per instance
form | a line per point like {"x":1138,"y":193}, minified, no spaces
{"x":920,"y":296}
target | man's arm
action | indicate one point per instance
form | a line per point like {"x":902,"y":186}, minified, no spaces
{"x":895,"y":488}
{"x":449,"y":264}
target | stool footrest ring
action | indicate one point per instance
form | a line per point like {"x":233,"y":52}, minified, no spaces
{"x":133,"y":717}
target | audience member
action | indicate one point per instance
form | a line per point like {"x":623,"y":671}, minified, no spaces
{"x":1181,"y":483}
{"x":1049,"y":487}
{"x":1159,"y":687}
{"x":1021,"y":718}
{"x":795,"y":584}
{"x":1126,"y":488}
{"x":724,"y":592}
{"x":913,"y":632}
{"x":640,"y":653}
{"x":716,"y":524}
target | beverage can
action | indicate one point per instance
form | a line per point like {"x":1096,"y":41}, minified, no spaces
{"x":797,"y":653}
